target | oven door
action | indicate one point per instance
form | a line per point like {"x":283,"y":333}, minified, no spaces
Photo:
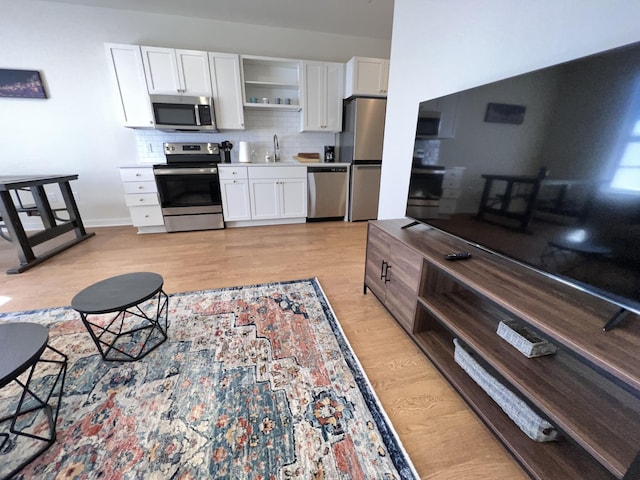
{"x":425,"y":191}
{"x":189,"y":197}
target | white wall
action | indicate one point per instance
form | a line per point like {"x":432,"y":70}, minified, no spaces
{"x":76,"y":130}
{"x":441,"y":47}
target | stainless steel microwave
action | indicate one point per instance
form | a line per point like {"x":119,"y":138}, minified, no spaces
{"x":183,"y":113}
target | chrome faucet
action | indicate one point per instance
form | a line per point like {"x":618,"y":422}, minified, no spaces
{"x":276,"y":149}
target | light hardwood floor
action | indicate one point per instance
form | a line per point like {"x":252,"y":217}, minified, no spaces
{"x":443,"y":438}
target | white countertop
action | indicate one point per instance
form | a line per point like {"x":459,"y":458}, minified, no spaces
{"x":291,"y":163}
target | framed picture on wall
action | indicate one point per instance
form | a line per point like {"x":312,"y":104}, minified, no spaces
{"x":504,"y":113}
{"x":21,"y":84}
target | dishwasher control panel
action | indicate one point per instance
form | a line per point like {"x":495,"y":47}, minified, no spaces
{"x":326,"y":169}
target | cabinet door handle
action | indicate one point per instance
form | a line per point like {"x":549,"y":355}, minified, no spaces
{"x":384,"y":272}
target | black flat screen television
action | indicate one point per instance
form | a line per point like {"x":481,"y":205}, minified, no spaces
{"x":544,"y":169}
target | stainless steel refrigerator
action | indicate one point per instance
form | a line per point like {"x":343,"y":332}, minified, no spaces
{"x":361,"y":146}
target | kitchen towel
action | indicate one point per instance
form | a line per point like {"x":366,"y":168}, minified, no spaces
{"x":245,"y":152}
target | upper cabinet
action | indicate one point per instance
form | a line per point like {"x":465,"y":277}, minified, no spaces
{"x":177,"y":72}
{"x":322,"y":87}
{"x":226,"y":83}
{"x":366,"y":76}
{"x":268,"y":81}
{"x":125,"y":65}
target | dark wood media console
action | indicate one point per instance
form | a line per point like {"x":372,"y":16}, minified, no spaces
{"x":589,"y":390}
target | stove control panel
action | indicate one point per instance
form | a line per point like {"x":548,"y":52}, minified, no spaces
{"x":192,"y":149}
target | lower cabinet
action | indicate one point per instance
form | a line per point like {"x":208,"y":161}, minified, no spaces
{"x":392,"y":272}
{"x":588,"y":390}
{"x":259,"y":194}
{"x":234,"y":188}
{"x":141,"y":196}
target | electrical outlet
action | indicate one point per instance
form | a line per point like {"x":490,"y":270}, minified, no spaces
{"x":53,"y":197}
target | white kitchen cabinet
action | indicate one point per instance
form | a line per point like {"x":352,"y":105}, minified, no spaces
{"x":234,"y":188}
{"x":177,"y":72}
{"x":366,"y":76}
{"x":127,"y":72}
{"x":278,"y":192}
{"x":293,"y":197}
{"x":323,"y":89}
{"x":226,"y":83}
{"x":451,"y":190}
{"x":141,"y":196}
{"x":271,"y":78}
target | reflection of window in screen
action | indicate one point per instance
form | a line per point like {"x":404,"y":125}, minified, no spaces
{"x":627,"y":175}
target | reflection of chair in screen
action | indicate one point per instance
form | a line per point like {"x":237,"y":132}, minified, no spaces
{"x":516,"y":202}
{"x":565,"y":202}
{"x":570,"y":251}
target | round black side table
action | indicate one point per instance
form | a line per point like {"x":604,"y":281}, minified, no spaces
{"x":24,"y":348}
{"x":126,"y":316}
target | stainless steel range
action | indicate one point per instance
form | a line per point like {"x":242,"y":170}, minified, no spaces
{"x":189,"y":187}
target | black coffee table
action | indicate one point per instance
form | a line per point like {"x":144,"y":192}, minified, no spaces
{"x":23,"y":351}
{"x":123,"y":315}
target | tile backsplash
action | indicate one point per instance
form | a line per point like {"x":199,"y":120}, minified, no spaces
{"x":260,"y":126}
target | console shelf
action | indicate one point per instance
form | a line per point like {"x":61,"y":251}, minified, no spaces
{"x":589,"y":390}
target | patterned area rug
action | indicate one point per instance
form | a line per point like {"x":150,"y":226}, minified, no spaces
{"x":254,"y":382}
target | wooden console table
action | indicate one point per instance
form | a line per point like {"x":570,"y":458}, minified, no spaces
{"x":589,"y":390}
{"x":10,"y":207}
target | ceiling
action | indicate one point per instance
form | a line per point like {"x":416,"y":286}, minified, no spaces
{"x":361,"y":18}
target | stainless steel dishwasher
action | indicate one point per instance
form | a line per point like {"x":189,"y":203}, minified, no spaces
{"x":327,"y":191}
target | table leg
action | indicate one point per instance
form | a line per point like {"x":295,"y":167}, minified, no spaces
{"x":16,"y":231}
{"x":72,"y":209}
{"x":44,"y":207}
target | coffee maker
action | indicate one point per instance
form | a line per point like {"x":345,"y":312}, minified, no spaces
{"x":329,"y":153}
{"x":225,"y":149}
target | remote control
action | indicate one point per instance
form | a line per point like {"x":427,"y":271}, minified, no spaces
{"x":457,"y":256}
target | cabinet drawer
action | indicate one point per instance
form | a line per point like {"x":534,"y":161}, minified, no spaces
{"x":450,"y":192}
{"x":277,"y":172}
{"x":146,"y":215}
{"x":231,"y":173}
{"x":142,"y":174}
{"x":140,"y":199}
{"x":449,"y":182}
{"x":140,"y":187}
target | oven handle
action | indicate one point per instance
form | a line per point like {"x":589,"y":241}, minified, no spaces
{"x":185,"y":171}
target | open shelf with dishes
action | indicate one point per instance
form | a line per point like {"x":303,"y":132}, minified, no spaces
{"x":589,"y":389}
{"x":269,"y":80}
